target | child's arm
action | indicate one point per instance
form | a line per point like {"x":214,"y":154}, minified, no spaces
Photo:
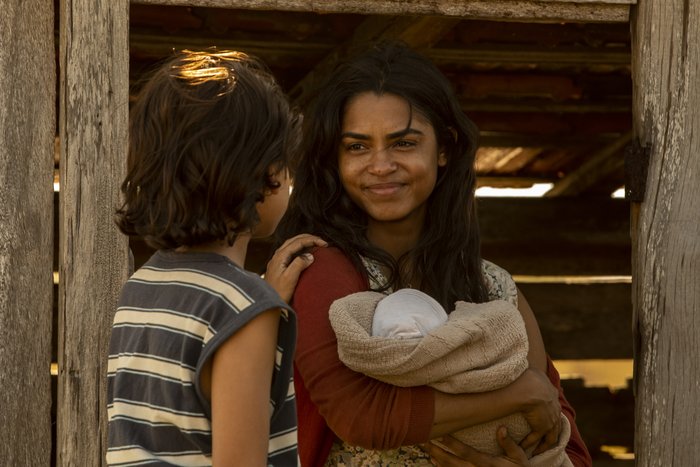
{"x":241,"y":377}
{"x":288,"y":262}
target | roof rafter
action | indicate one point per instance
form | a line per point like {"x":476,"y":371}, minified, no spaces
{"x":599,"y":166}
{"x":416,"y":31}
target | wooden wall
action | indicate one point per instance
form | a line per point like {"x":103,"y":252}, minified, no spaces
{"x":27,"y":131}
{"x":93,"y":256}
{"x":666,"y":251}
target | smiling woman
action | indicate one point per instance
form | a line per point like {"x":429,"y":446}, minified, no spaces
{"x":387,"y":177}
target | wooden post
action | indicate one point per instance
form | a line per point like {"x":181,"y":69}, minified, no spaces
{"x":27,"y":132}
{"x":666,"y":265}
{"x":606,"y":11}
{"x":94,"y":63}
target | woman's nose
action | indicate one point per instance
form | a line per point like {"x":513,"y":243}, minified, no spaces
{"x":382,"y":163}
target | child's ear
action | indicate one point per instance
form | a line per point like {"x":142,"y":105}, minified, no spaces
{"x":272,"y":189}
{"x":275,"y":180}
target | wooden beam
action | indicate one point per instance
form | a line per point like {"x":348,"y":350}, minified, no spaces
{"x":415,"y":31}
{"x":597,"y":167}
{"x":610,"y":11}
{"x":564,"y":56}
{"x":27,"y":130}
{"x":583,"y":321}
{"x":508,"y":181}
{"x":507,"y":139}
{"x":545,"y":105}
{"x":666,"y":247}
{"x":93,"y":263}
{"x":285,"y":53}
{"x":556,"y":236}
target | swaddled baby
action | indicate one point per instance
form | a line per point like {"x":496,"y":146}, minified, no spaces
{"x":407,"y":339}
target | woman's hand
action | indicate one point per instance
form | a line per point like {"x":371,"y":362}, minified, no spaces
{"x":466,"y":456}
{"x":542,"y":411}
{"x":289,"y":261}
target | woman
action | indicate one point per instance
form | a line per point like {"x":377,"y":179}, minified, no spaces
{"x":387,"y":177}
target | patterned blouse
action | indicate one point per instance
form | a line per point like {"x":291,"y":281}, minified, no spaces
{"x":500,"y":287}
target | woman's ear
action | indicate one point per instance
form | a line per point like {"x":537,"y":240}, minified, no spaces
{"x":454,"y":133}
{"x":442,"y":157}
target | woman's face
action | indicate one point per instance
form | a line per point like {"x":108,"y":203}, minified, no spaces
{"x":388,"y":159}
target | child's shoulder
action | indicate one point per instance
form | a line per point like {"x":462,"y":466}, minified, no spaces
{"x":208,"y":272}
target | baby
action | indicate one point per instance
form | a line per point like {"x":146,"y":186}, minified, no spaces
{"x":408,"y":339}
{"x":407,"y":313}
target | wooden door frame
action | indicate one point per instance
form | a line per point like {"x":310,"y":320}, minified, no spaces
{"x":93,"y":130}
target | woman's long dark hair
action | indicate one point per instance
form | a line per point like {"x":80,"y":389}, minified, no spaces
{"x":446,"y":259}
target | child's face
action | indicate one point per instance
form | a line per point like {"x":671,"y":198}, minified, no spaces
{"x":272,"y":208}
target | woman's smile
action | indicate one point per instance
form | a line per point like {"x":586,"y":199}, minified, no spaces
{"x":384,"y":189}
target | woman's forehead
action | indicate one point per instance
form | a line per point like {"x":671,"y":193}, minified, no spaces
{"x":387,"y":111}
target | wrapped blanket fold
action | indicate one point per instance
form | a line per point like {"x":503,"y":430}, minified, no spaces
{"x":482,"y":347}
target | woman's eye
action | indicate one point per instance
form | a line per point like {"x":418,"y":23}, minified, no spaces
{"x":404,"y":144}
{"x":354,"y":147}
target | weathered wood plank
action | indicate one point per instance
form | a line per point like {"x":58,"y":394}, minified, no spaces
{"x":556,"y":236}
{"x":528,"y":54}
{"x":610,"y":11}
{"x":583,"y":321}
{"x":27,"y":130}
{"x":93,"y":255}
{"x":666,"y":297}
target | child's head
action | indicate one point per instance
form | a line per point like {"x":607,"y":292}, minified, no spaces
{"x":210,"y":135}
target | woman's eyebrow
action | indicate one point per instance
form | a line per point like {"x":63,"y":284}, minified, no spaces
{"x":350,"y":134}
{"x":404,"y":132}
{"x":394,"y":135}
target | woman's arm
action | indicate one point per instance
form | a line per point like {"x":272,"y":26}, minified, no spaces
{"x":532,"y":394}
{"x":538,"y":358}
{"x":365,"y":412}
{"x":360,"y":410}
{"x":576,"y":449}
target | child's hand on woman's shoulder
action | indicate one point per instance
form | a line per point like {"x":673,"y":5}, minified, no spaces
{"x":289,"y":261}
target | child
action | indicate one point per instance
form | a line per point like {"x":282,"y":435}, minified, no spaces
{"x":201,"y":350}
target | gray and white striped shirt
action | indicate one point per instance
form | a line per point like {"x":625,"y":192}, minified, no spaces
{"x":173,"y":314}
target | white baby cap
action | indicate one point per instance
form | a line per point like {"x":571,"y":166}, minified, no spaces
{"x":407,"y":313}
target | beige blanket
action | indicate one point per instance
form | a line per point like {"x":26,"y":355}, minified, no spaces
{"x":482,"y":347}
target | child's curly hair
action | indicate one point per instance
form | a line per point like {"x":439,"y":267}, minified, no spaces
{"x":206,"y":133}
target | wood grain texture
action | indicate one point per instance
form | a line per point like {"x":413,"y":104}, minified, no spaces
{"x":666,"y":249}
{"x":93,"y":254}
{"x":27,"y":129}
{"x":611,"y":11}
{"x":556,"y":236}
{"x":583,"y":321}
